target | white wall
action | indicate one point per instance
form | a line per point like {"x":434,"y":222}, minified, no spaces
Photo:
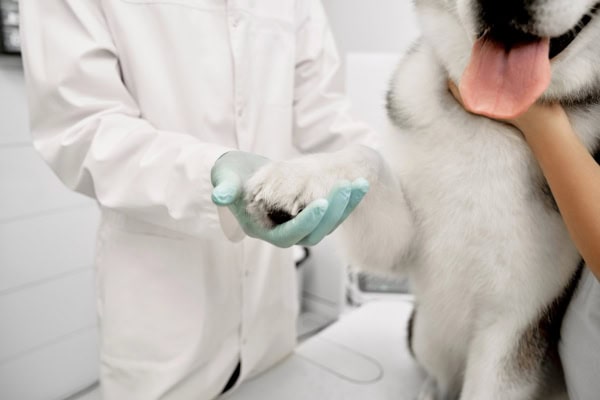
{"x":48,"y":334}
{"x":371,"y":26}
{"x":372,"y":36}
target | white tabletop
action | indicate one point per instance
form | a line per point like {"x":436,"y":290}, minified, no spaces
{"x":362,"y":356}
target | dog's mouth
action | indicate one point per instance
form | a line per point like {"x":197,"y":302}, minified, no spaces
{"x":511,"y":37}
{"x":509,"y":69}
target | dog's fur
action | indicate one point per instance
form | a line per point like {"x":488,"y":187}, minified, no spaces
{"x":461,"y":206}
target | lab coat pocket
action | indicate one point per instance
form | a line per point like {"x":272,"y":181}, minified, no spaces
{"x":154,"y":296}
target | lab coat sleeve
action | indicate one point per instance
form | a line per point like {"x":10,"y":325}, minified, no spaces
{"x":322,"y":115}
{"x":89,"y":129}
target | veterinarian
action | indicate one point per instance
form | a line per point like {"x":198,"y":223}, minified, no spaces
{"x":132,"y":102}
{"x":574,"y":178}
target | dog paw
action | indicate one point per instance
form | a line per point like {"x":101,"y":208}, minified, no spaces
{"x":280,"y":190}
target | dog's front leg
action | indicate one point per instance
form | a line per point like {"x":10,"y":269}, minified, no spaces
{"x":379,"y":235}
{"x":504,"y":363}
{"x":376,"y":235}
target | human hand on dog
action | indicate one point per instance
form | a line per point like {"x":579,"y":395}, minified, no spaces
{"x":307,"y":226}
{"x":536,"y":120}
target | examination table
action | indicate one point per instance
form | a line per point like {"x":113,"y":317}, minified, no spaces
{"x":363,"y":356}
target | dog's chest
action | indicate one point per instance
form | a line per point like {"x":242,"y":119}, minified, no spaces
{"x":477,"y":195}
{"x":470,"y":174}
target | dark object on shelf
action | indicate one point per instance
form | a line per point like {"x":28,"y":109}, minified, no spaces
{"x":10,"y":42}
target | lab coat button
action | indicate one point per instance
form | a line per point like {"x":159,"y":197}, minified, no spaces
{"x":235,"y":22}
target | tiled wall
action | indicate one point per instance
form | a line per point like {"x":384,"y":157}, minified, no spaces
{"x":48,"y":334}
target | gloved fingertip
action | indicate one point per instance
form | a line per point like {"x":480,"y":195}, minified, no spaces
{"x":320,"y":205}
{"x":224,"y":194}
{"x":361,"y":184}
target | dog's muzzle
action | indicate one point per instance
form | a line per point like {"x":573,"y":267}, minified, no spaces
{"x":509,"y":22}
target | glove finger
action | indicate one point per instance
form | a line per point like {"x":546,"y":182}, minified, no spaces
{"x":228,"y":187}
{"x":360,"y":187}
{"x":293,"y":231}
{"x":338,"y":202}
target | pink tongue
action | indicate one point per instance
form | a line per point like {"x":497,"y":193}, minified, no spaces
{"x":503,"y":84}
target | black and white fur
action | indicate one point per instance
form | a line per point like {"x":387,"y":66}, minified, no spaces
{"x":459,"y":204}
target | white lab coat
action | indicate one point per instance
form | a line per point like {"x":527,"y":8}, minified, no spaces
{"x":131,"y":103}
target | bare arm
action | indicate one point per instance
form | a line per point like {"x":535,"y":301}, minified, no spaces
{"x":571,"y":172}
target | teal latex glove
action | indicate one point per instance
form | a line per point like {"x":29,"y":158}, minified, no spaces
{"x":343,"y":199}
{"x":308,"y":228}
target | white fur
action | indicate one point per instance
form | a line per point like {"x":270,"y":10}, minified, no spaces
{"x":553,"y":18}
{"x":458,"y":205}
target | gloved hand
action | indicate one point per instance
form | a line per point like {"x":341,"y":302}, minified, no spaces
{"x":308,"y":228}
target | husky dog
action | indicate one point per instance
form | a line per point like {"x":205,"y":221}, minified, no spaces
{"x":458,"y":202}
